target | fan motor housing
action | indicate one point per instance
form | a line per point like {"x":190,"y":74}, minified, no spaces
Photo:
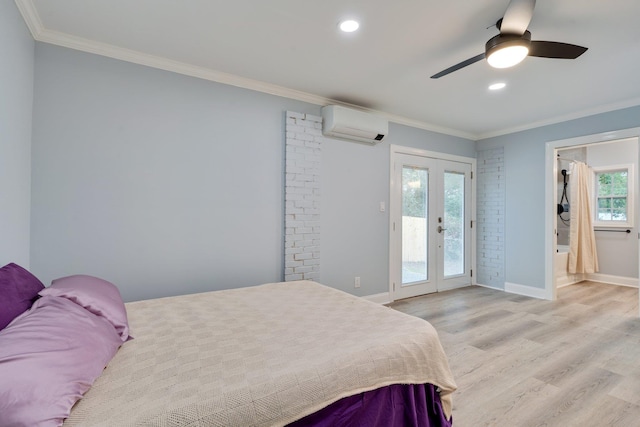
{"x":504,"y":40}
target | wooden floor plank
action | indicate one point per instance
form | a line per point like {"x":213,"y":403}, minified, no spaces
{"x":521,"y":361}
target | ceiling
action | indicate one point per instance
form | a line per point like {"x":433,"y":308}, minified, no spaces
{"x":293,"y":48}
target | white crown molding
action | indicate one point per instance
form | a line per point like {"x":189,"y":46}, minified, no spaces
{"x":427,"y":126}
{"x":140,"y":58}
{"x":41,"y":34}
{"x":31,"y":18}
{"x":573,"y":116}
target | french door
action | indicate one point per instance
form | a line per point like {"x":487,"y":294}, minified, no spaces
{"x":430,"y":240}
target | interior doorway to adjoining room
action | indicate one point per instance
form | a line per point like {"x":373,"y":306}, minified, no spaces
{"x":599,"y":151}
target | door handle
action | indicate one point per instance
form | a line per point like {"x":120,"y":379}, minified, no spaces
{"x":440,"y":229}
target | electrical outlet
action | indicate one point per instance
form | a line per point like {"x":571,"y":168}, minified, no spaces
{"x":356,"y":282}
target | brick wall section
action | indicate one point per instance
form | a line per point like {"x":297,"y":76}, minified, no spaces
{"x":302,"y":196}
{"x":490,"y":218}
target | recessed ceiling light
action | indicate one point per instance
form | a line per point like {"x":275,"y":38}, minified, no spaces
{"x":497,"y":86}
{"x":349,"y":26}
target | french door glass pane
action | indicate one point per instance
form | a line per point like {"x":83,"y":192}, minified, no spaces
{"x":415,"y":191}
{"x":453,"y":224}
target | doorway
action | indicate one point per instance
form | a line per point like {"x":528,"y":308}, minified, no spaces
{"x":615,"y":264}
{"x":430,"y":222}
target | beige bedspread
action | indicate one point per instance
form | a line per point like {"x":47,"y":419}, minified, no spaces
{"x":259,"y":356}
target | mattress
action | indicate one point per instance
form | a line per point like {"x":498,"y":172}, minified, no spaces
{"x":260,"y":356}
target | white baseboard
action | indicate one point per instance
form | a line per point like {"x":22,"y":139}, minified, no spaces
{"x":565,"y":284}
{"x":527,"y":291}
{"x":382,"y":298}
{"x":631,"y":282}
{"x":569,"y":279}
{"x":489,"y":287}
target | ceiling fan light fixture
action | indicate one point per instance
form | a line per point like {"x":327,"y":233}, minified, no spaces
{"x":513,"y":44}
{"x":507,"y":56}
{"x":507,"y":50}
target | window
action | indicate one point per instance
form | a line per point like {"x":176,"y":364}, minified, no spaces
{"x":613,"y":196}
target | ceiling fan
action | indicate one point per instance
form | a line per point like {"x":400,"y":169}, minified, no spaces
{"x":514,"y":43}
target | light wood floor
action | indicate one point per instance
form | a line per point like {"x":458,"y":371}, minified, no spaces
{"x":521,"y":361}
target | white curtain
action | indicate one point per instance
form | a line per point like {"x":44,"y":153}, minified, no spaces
{"x":583,"y":257}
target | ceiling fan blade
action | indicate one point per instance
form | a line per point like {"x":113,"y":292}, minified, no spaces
{"x":458,"y":66}
{"x":544,"y":49}
{"x":517,"y":17}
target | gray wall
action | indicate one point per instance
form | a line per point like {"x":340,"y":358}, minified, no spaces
{"x":355,"y":179}
{"x":160,"y":183}
{"x":166,"y":184}
{"x":525,"y":187}
{"x":16,"y":101}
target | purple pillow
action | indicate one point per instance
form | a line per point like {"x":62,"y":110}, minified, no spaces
{"x":100,"y":297}
{"x":49,"y":357}
{"x":18,"y":289}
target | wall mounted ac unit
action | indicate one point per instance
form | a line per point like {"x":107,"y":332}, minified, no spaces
{"x":345,"y":123}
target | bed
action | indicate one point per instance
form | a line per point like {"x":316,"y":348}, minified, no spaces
{"x":294,"y":353}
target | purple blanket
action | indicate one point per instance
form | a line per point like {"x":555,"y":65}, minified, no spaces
{"x":398,"y":405}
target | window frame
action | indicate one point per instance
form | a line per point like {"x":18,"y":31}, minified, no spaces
{"x":630,"y":192}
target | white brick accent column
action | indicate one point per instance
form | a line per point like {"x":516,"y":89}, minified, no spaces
{"x":490,"y":218}
{"x":302,"y":196}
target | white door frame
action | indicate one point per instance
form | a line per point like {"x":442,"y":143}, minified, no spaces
{"x":398,"y":149}
{"x":551,"y":171}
